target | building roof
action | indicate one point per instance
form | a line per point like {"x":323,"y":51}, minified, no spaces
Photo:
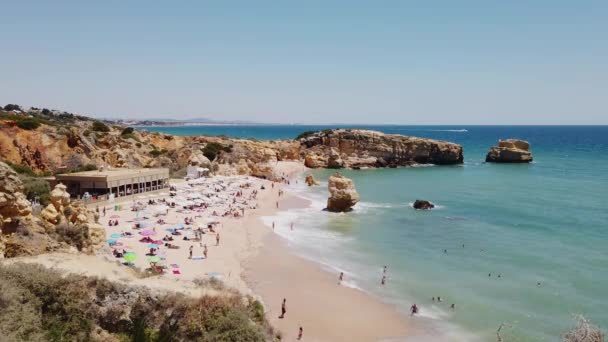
{"x":114,"y":174}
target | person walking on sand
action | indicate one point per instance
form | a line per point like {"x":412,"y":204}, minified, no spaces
{"x":277,"y":204}
{"x":300,"y":333}
{"x":283,"y":308}
{"x":217,"y":239}
{"x":104,"y":211}
{"x":205,"y":251}
{"x":190,"y":256}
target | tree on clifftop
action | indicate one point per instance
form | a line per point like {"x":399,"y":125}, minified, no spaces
{"x":10,"y":107}
{"x":99,"y":126}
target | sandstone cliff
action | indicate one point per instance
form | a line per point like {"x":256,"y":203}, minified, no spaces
{"x":50,"y":148}
{"x":510,"y":151}
{"x":62,"y":225}
{"x":356,"y":148}
{"x":59,"y":146}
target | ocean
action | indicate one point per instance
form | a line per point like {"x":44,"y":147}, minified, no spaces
{"x":525,"y":245}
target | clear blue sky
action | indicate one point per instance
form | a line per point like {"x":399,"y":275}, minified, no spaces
{"x":405,"y":62}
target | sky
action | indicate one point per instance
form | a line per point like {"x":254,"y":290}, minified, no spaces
{"x":368,"y":62}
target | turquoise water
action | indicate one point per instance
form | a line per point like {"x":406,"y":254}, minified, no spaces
{"x":543,"y":222}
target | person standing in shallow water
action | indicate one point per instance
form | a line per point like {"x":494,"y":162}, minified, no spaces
{"x":341,"y":278}
{"x":283,"y":308}
{"x":383,"y":281}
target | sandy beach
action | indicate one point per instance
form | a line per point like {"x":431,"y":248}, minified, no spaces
{"x":326,"y":310}
{"x":249,"y":257}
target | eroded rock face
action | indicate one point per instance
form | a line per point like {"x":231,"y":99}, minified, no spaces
{"x":423,"y":205}
{"x":310,"y":180}
{"x":510,"y":151}
{"x":13,"y":203}
{"x":342,"y":193}
{"x":354,"y":148}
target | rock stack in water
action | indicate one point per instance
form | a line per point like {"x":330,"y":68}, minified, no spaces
{"x":423,"y":205}
{"x":342,"y":194}
{"x":510,"y":151}
{"x":310,"y":180}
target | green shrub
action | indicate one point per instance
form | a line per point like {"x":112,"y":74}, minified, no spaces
{"x":22,"y":169}
{"x":36,"y":187}
{"x":156,"y":153}
{"x":28,"y":124}
{"x":131,"y":136}
{"x":212,"y":150}
{"x":10,"y":107}
{"x":39,"y":304}
{"x":128,"y":130}
{"x":99,"y":126}
{"x":305,"y":134}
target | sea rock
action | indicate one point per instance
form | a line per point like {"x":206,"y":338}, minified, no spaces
{"x":310,"y":180}
{"x":365,"y":148}
{"x":423,"y":205}
{"x":510,"y":151}
{"x":342,"y":193}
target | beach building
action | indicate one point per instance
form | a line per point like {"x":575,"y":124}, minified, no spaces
{"x":119,"y":181}
{"x":195,"y":171}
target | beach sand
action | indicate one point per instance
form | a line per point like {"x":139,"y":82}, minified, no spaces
{"x":326,"y":310}
{"x":254,"y":260}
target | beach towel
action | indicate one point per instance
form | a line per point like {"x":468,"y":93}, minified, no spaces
{"x":198,"y":257}
{"x":176,"y":272}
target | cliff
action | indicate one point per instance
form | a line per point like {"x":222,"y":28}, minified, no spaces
{"x":355,"y":148}
{"x":48,"y":143}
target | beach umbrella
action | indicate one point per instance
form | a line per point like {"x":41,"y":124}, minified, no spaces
{"x":129,"y":257}
{"x":214,"y":275}
{"x":152,"y":245}
{"x":154,"y":258}
{"x":116,"y":236}
{"x":147,"y":232}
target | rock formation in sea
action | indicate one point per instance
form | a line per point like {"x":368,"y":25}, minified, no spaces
{"x":355,"y":148}
{"x":342,"y":193}
{"x":423,"y":205}
{"x":510,"y":151}
{"x":310,"y":180}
